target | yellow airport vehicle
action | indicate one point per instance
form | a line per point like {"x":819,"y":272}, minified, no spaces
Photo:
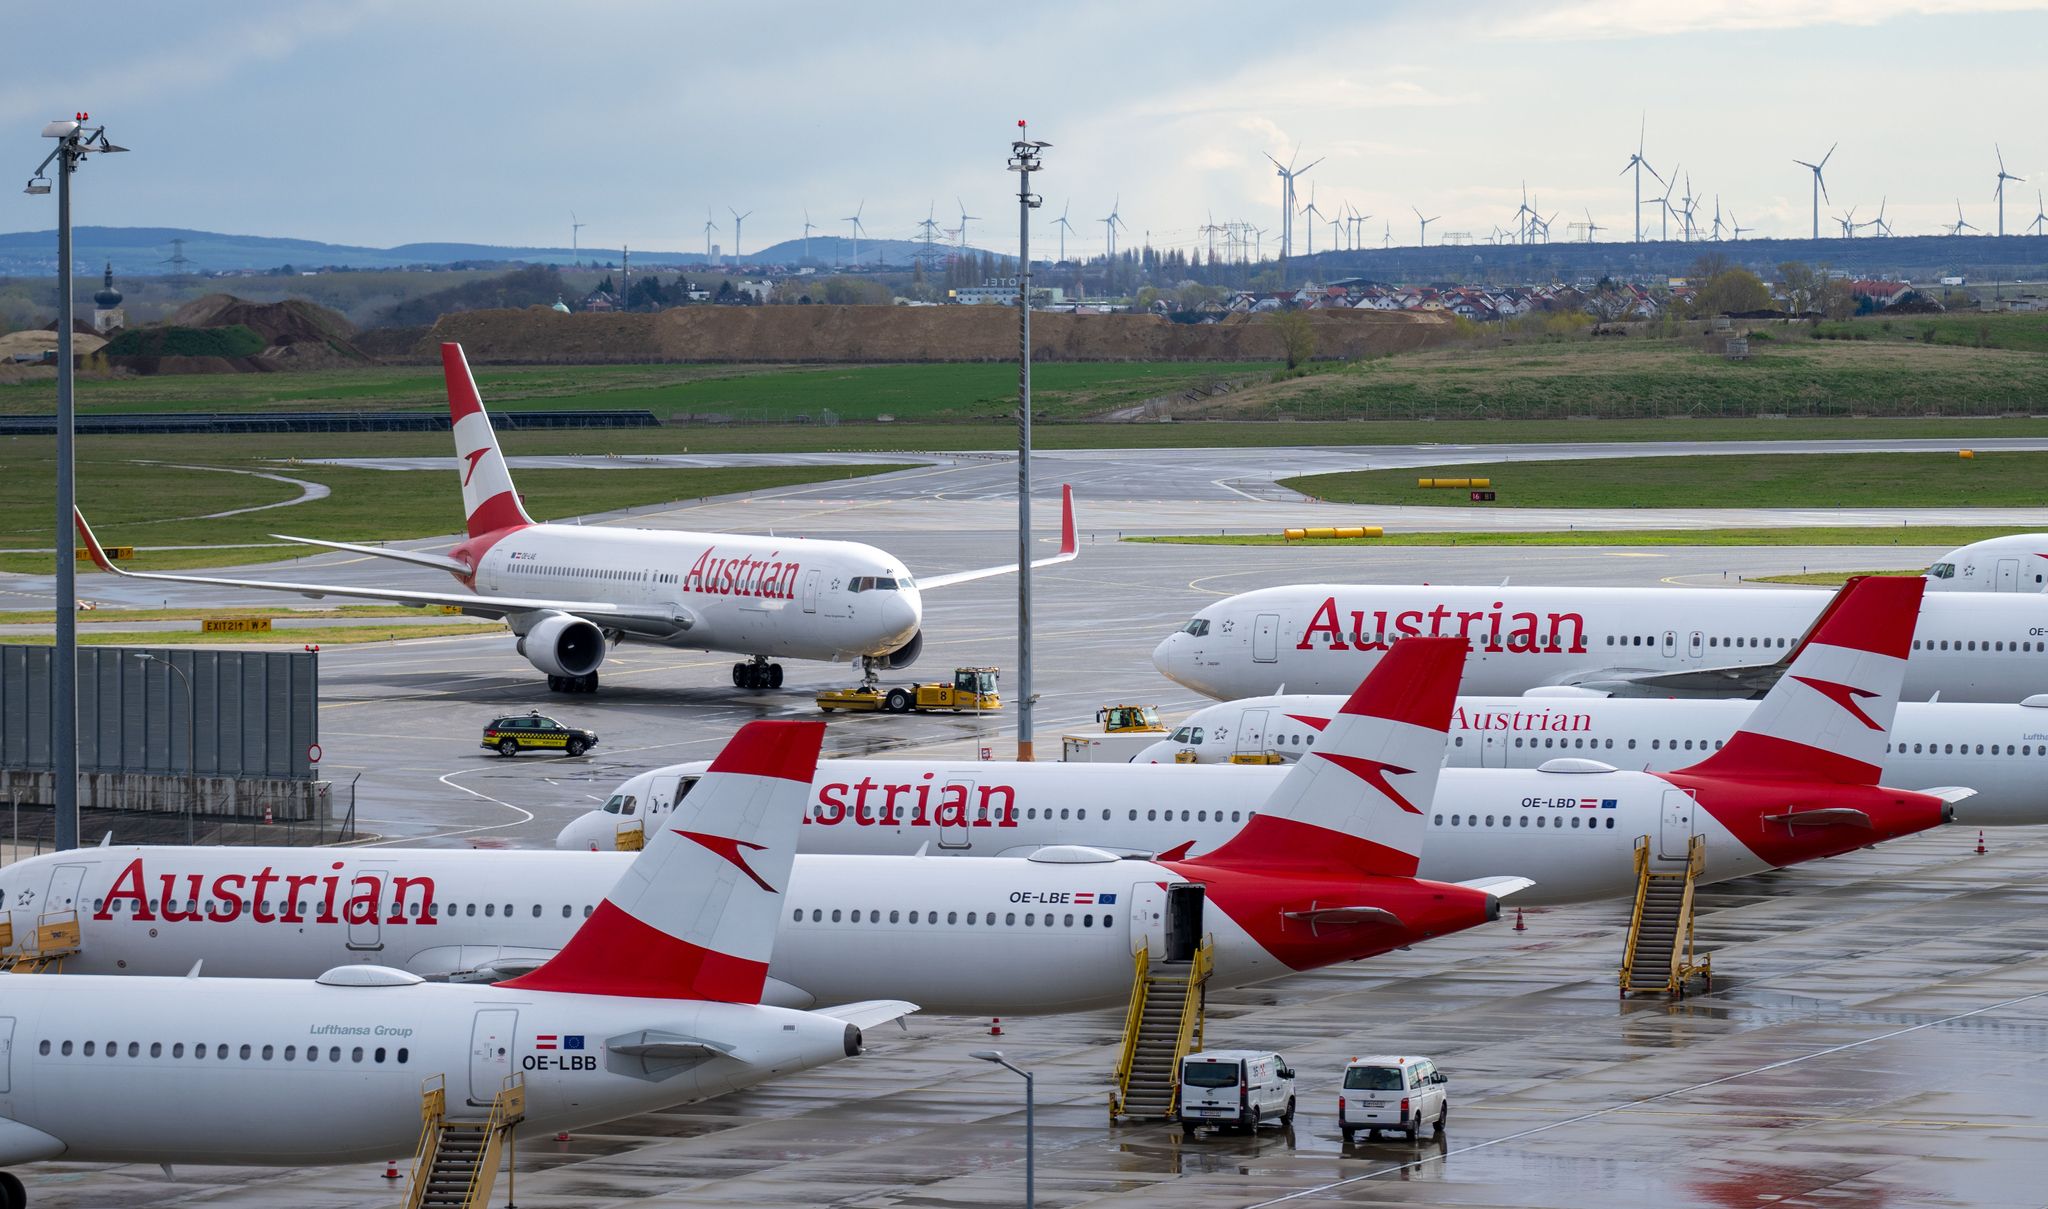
{"x":973,"y":690}
{"x":1130,"y":720}
{"x":514,"y":733}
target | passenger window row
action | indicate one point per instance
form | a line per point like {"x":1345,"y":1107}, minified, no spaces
{"x":527,"y":568}
{"x":308,"y":911}
{"x":1554,"y":822}
{"x":1976,"y":644}
{"x":221,"y":1052}
{"x":985,"y":919}
{"x":1200,"y":816}
{"x":1950,"y":749}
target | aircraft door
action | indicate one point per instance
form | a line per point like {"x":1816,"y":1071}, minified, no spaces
{"x":952,"y":835}
{"x":811,"y":591}
{"x":1493,"y":749}
{"x":1697,"y":644}
{"x":2008,"y":574}
{"x":683,"y":787}
{"x":6,"y":1055}
{"x":66,"y":881}
{"x":1183,"y":920}
{"x":1251,"y":732}
{"x":366,"y":935}
{"x":490,"y":1052}
{"x":1671,"y":644}
{"x":1674,"y":828}
{"x":1266,"y":639}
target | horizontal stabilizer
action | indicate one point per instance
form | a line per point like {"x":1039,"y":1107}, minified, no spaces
{"x":1332,"y":916}
{"x":1826,"y":816}
{"x":440,"y":562}
{"x":869,"y":1012}
{"x":1499,"y":887}
{"x":1950,"y":793}
{"x":657,"y":1045}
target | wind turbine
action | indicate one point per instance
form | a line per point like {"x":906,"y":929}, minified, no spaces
{"x":1883,"y":228}
{"x":1638,"y":164}
{"x":2040,"y":215}
{"x":2003,"y":176}
{"x":1523,"y":233}
{"x":1820,"y":187}
{"x":1848,"y":222}
{"x":1717,"y":218}
{"x":1691,"y":203}
{"x":1064,"y":226}
{"x":1962,"y":226}
{"x":1287,"y":173}
{"x":964,"y":218}
{"x":1313,"y":215}
{"x":1735,"y":224}
{"x":737,"y":219}
{"x":1665,"y":210}
{"x":1422,"y":225}
{"x":1110,"y":223}
{"x":575,"y":233}
{"x":808,"y":228}
{"x":1592,"y":228}
{"x":854,"y":218}
{"x":1387,"y":233}
{"x":709,"y":227}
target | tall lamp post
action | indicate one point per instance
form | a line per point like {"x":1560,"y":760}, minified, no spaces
{"x":1024,"y":161}
{"x":1030,"y":1146}
{"x":191,"y":726}
{"x":75,"y":141}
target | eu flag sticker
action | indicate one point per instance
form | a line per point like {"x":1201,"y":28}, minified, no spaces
{"x":572,"y":1041}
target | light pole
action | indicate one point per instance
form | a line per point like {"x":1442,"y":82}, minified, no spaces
{"x":191,"y":726}
{"x":74,"y":142}
{"x":1030,"y":1146}
{"x":1024,"y":161}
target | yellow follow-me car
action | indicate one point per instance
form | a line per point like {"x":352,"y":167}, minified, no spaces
{"x":514,"y":733}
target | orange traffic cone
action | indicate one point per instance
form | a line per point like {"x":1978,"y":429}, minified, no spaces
{"x":266,"y":815}
{"x":390,"y":1170}
{"x":1519,"y":925}
{"x":1980,"y":841}
{"x":995,"y":1027}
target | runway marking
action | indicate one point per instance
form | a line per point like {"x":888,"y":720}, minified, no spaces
{"x":1631,"y":1105}
{"x":442,"y":835}
{"x":1632,"y":554}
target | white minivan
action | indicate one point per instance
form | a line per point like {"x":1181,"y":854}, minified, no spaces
{"x":1234,"y":1087}
{"x":1397,"y":1093}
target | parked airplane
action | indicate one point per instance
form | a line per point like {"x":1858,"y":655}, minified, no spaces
{"x":1716,"y":642}
{"x":1323,"y":873}
{"x":569,"y":591}
{"x":222,"y":1070}
{"x":881,"y":806}
{"x":2018,"y":563}
{"x":2001,"y":751}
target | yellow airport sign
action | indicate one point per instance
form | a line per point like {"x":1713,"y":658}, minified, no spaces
{"x":235,"y":625}
{"x":115,"y":552}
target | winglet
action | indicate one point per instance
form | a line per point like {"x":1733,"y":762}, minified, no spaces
{"x":1070,"y":545}
{"x":694,"y":915}
{"x":92,"y":545}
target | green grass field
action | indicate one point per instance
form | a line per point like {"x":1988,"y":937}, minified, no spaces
{"x":2019,"y":332}
{"x":1829,"y":579}
{"x":165,"y":506}
{"x":1805,"y":480}
{"x":1816,"y":535}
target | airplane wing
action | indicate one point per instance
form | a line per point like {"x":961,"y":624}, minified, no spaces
{"x":474,"y":604}
{"x":1069,"y":548}
{"x":1499,"y":887}
{"x":868,"y":1012}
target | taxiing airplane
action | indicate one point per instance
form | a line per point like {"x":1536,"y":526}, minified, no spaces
{"x":652,"y":1000}
{"x":1324,"y":872}
{"x":571,"y":591}
{"x":1715,"y":642}
{"x":1496,"y":817}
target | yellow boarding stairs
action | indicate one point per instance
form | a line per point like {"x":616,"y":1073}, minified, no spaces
{"x":1659,"y":955}
{"x":57,"y":937}
{"x":458,"y":1161}
{"x":630,"y":837}
{"x":1163,"y":1026}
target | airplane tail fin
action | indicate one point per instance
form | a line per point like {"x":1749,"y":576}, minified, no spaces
{"x":1359,"y":799}
{"x":694,"y":915}
{"x":1829,"y":716}
{"x":488,"y":498}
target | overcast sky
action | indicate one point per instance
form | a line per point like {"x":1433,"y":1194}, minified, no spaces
{"x":383,"y":123}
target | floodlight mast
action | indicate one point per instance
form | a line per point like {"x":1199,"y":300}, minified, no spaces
{"x":1024,"y":161}
{"x":75,"y":141}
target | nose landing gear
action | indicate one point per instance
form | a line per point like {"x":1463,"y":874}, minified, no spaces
{"x":757,"y":673}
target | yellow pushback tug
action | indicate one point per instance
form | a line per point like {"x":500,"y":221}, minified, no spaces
{"x":973,"y":690}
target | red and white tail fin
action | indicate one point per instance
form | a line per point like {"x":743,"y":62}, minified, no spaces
{"x":488,"y":499}
{"x":694,"y":916}
{"x":1359,"y":800}
{"x":1829,"y":716}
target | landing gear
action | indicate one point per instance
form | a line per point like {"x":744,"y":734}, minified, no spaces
{"x":871,"y":673}
{"x":757,"y":673}
{"x":12,"y":1194}
{"x":586,"y":683}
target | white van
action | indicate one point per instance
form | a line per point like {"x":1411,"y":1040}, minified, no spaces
{"x":1392,"y":1092}
{"x":1234,"y":1087}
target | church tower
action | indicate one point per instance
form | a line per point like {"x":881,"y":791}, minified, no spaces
{"x":106,"y":305}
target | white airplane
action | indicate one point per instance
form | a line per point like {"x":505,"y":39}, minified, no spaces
{"x":2001,"y":751}
{"x":885,"y":806}
{"x":569,"y":591}
{"x":1323,"y":873}
{"x":1715,"y":642}
{"x":2018,"y":563}
{"x":223,"y":1070}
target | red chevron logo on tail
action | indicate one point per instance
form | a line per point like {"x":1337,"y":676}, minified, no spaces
{"x":1842,"y":695}
{"x":473,"y":457}
{"x":729,"y":848}
{"x":1374,"y":773}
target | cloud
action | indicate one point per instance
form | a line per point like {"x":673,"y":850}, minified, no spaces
{"x":1585,"y":20}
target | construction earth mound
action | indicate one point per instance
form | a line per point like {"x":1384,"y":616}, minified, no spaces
{"x":539,"y":335}
{"x":224,"y":334}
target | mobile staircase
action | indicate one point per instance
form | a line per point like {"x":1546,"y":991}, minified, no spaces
{"x":1163,"y":1026}
{"x":57,"y":937}
{"x":1658,"y":956}
{"x":458,"y":1160}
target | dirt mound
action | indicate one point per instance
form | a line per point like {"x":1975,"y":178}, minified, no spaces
{"x":294,"y":331}
{"x":895,"y":334}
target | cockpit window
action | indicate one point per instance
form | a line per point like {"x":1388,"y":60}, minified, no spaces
{"x":1181,"y":735}
{"x":1198,"y":627}
{"x":1198,"y":735}
{"x":1942,"y":571}
{"x":618,"y":804}
{"x":872,"y":583}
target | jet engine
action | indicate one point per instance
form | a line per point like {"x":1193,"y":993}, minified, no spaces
{"x":561,"y":645}
{"x":905,"y":655}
